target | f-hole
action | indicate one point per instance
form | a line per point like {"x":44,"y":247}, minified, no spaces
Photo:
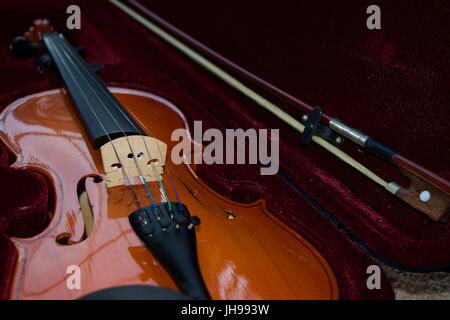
{"x":86,"y":210}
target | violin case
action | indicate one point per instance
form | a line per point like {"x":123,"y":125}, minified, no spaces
{"x":390,"y":83}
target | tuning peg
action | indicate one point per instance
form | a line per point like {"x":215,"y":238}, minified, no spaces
{"x":44,"y":62}
{"x":21,"y":47}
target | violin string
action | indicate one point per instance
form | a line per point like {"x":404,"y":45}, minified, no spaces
{"x":134,"y":156}
{"x":145,"y":144}
{"x":130,"y":186}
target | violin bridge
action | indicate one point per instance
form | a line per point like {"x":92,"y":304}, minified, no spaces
{"x":126,"y":159}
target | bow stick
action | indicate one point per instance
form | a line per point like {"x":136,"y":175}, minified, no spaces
{"x":427,"y":192}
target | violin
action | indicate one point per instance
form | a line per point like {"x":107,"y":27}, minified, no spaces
{"x":124,"y":214}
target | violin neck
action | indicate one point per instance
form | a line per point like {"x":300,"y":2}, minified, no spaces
{"x":101,"y":114}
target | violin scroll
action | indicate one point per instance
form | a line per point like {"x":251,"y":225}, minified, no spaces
{"x":28,"y":44}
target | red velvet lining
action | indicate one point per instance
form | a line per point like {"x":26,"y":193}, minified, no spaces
{"x":23,"y":213}
{"x":391,"y":84}
{"x":133,"y":57}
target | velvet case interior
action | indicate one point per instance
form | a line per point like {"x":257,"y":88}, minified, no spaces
{"x":388,"y":83}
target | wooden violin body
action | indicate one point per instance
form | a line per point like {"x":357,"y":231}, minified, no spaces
{"x":253,"y":256}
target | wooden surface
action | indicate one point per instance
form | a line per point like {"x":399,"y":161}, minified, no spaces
{"x":253,"y":256}
{"x":418,"y":285}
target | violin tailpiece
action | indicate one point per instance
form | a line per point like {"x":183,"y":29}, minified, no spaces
{"x":168,"y":231}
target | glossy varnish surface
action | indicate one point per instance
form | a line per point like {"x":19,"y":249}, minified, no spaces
{"x":253,"y":256}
